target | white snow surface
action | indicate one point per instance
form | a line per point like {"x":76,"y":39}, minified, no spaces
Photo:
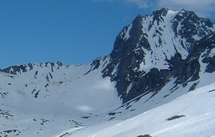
{"x":195,"y":111}
{"x":79,"y":103}
{"x":47,"y":100}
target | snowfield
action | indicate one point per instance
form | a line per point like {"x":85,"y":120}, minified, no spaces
{"x":85,"y":104}
{"x":190,"y":115}
{"x":50,"y":99}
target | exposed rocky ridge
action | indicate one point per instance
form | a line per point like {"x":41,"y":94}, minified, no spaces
{"x":205,"y":52}
{"x":25,"y":67}
{"x":155,"y":48}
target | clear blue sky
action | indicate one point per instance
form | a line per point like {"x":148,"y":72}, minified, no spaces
{"x":70,"y":31}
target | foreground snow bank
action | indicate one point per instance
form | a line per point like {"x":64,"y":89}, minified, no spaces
{"x":192,"y":114}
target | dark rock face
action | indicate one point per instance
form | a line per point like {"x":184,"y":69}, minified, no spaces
{"x":24,"y":68}
{"x":15,"y":69}
{"x":133,"y":48}
{"x":190,"y":25}
{"x":205,"y":48}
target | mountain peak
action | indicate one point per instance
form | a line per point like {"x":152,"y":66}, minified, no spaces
{"x":148,"y":47}
{"x":162,"y":11}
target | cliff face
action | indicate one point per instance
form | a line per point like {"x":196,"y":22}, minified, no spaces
{"x":153,"y":49}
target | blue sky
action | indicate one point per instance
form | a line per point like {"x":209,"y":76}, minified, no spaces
{"x":72,"y":31}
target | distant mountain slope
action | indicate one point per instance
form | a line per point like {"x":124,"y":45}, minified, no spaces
{"x":37,"y":98}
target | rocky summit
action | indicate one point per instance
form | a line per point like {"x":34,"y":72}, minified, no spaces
{"x":155,"y":49}
{"x":155,"y":59}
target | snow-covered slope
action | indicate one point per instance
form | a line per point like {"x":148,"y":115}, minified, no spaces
{"x":190,"y":115}
{"x":46,"y":98}
{"x":155,"y":62}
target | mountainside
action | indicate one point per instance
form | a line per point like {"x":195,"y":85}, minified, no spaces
{"x":155,"y":59}
{"x":47,"y":98}
{"x":190,"y":115}
{"x":156,"y":48}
